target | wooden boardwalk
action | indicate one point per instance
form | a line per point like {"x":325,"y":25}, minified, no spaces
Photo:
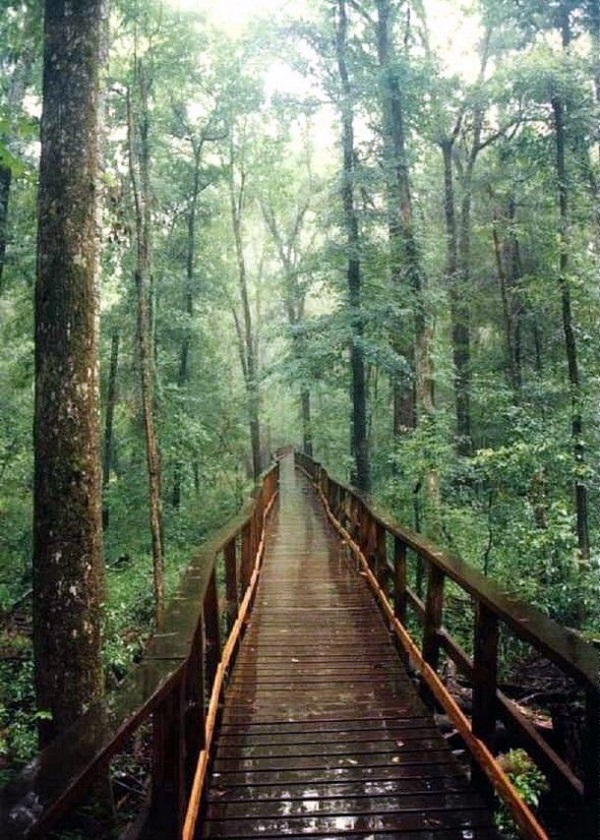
{"x":323,"y":734}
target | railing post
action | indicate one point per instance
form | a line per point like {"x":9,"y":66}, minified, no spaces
{"x":246,"y":561}
{"x":367,"y":538}
{"x":381,"y":569}
{"x":343,"y":511}
{"x":324,"y":481}
{"x":231,"y":582}
{"x":485,"y":683}
{"x":591,"y":764}
{"x":400,"y":576}
{"x":194,"y":715}
{"x":168,"y":756}
{"x":434,"y":606}
{"x":362,"y":528}
{"x":353,"y":517}
{"x":212,"y":631}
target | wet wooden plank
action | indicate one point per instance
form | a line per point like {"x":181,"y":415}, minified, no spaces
{"x":348,"y":789}
{"x":444,"y":767}
{"x":431,"y":820}
{"x":323,"y":733}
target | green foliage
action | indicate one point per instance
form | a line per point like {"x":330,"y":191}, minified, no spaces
{"x":18,"y":715}
{"x":529,"y":782}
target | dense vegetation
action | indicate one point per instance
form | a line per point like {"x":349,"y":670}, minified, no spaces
{"x":330,"y":228}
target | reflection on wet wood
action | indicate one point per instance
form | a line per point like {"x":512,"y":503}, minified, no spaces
{"x":323,"y":733}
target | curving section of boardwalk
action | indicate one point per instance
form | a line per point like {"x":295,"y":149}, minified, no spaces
{"x":323,"y":734}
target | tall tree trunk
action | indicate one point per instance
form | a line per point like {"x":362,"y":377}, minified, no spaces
{"x":360,"y":449}
{"x":67,"y":552}
{"x":139,"y":165}
{"x":111,"y":401}
{"x":183,"y":377}
{"x":246,"y":338}
{"x":595,"y":36}
{"x":506,"y":280}
{"x":580,"y":488}
{"x":5,"y":182}
{"x":403,"y":389}
{"x":459,"y":312}
{"x":407,"y":269}
{"x":307,"y":438}
{"x":22,"y":64}
{"x":294,"y":302}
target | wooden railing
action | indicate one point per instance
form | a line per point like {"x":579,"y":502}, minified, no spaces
{"x":172,"y":687}
{"x":386,"y":550}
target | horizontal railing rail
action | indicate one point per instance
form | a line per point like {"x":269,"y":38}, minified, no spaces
{"x":384,"y":546}
{"x":171,"y":687}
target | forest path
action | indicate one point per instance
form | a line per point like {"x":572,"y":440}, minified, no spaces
{"x":323,"y":734}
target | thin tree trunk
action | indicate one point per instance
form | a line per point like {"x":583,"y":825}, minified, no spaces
{"x":111,"y":401}
{"x":514,"y":275}
{"x":307,"y":438}
{"x":246,"y":331}
{"x":67,"y":555}
{"x":183,"y":377}
{"x":407,"y":270}
{"x":459,"y":310}
{"x":294,"y":301}
{"x":5,"y":182}
{"x":580,"y":488}
{"x":403,"y":389}
{"x":595,"y":35}
{"x":360,"y":449}
{"x":510,"y":328}
{"x":139,"y":160}
{"x":17,"y":87}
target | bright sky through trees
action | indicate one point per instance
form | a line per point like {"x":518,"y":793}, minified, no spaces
{"x":454,"y":31}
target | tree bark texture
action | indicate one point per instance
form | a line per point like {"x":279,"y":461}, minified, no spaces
{"x":360,"y":446}
{"x":67,"y":552}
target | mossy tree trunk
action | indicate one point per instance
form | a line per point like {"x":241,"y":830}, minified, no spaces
{"x":67,"y":553}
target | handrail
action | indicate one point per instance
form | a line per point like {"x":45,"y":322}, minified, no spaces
{"x":366,"y":532}
{"x":171,"y":686}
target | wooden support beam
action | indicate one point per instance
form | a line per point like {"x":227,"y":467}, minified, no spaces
{"x":400,"y":580}
{"x":485,"y":686}
{"x":231,"y":582}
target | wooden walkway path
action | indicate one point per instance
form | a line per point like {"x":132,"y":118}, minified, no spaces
{"x":323,"y":734}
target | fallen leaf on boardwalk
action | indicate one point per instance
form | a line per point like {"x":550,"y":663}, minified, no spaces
{"x":295,"y":660}
{"x":396,"y":759}
{"x":348,"y":761}
{"x":399,"y":743}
